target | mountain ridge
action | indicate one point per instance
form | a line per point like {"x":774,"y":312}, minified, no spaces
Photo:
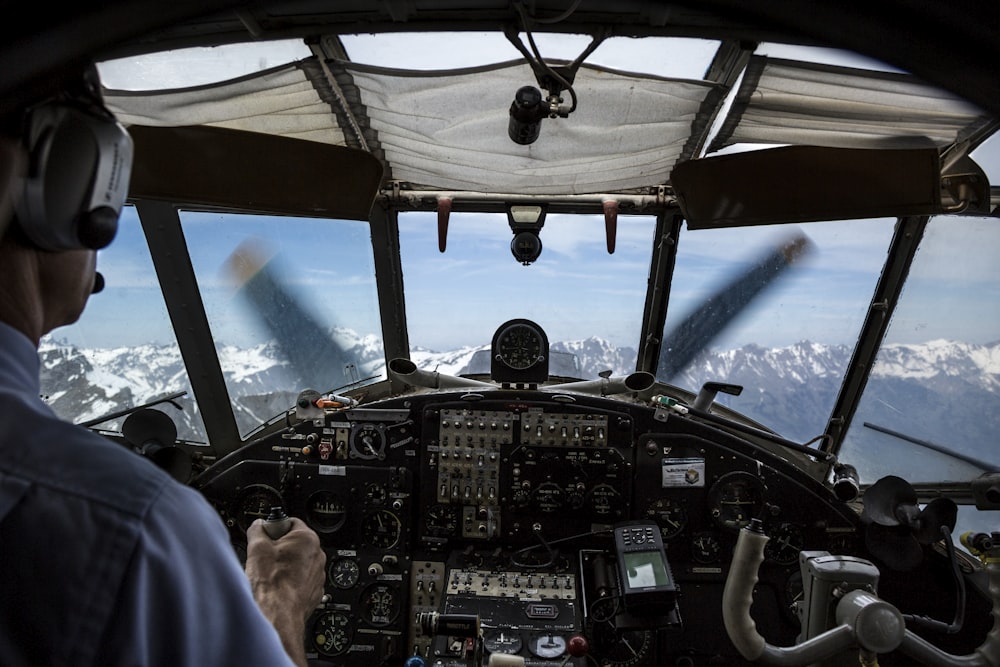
{"x":789,"y":388}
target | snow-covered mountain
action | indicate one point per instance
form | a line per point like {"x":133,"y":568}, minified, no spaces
{"x":790,"y":389}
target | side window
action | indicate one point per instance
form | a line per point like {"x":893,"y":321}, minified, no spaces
{"x":122,"y":352}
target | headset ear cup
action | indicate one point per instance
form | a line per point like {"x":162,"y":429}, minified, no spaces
{"x":97,"y":228}
{"x":77,"y":179}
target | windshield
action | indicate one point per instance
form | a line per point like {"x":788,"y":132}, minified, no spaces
{"x":292,"y":305}
{"x":784,"y":333}
{"x":588,"y":301}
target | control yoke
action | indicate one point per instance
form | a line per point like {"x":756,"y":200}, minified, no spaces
{"x":863,"y":620}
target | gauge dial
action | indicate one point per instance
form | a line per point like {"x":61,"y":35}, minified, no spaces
{"x":705,"y":548}
{"x":380,"y":604}
{"x":735,"y":499}
{"x":256,"y":503}
{"x":549,"y":497}
{"x":344,"y":573}
{"x":669,"y":515}
{"x":604,"y":501}
{"x":547,"y":647}
{"x":499,"y":641}
{"x":842,"y":543}
{"x":381,"y":529}
{"x":519,"y":346}
{"x":368,"y":442}
{"x":375,"y":494}
{"x":784,"y":544}
{"x":441,"y":521}
{"x":326,"y":511}
{"x":620,"y":648}
{"x":332,"y":633}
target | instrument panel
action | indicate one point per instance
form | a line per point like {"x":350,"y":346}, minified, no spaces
{"x":454,"y":515}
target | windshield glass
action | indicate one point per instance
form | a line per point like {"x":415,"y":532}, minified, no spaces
{"x":931,"y":409}
{"x":292,"y":305}
{"x":776,"y":310}
{"x":122,"y":352}
{"x":589,"y":302}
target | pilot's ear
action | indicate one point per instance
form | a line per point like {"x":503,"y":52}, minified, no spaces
{"x":79,"y":163}
{"x":13,"y":163}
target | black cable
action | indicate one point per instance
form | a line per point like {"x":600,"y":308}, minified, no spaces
{"x":548,"y":546}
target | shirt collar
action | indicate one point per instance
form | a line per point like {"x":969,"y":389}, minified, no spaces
{"x":19,"y":364}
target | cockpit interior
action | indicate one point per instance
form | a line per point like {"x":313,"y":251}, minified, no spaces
{"x":582,"y":333}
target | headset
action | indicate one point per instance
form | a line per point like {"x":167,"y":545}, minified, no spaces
{"x":79,"y":163}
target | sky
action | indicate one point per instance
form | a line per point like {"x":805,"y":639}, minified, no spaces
{"x":575,"y":289}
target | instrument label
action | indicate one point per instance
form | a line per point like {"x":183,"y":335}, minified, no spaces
{"x":683,"y":473}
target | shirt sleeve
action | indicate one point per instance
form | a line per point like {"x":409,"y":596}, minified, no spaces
{"x":185,"y":600}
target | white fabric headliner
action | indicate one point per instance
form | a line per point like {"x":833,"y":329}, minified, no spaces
{"x":447,"y":130}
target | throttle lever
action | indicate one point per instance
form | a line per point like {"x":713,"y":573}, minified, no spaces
{"x":277,"y":523}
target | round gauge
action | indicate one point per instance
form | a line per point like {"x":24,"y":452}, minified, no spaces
{"x":669,"y":515}
{"x":842,"y":543}
{"x":375,"y":494}
{"x":784,"y":544}
{"x":547,"y":647}
{"x":256,"y":503}
{"x":368,"y":442}
{"x":705,"y":548}
{"x":380,"y":604}
{"x":498,"y":641}
{"x":332,"y":633}
{"x":548,"y":497}
{"x":604,"y":500}
{"x":620,"y":648}
{"x":381,"y":529}
{"x":519,"y":346}
{"x":326,"y":512}
{"x":735,"y":499}
{"x":441,"y":521}
{"x":344,"y":573}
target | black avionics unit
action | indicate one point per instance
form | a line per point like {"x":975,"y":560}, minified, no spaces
{"x":646,"y":583}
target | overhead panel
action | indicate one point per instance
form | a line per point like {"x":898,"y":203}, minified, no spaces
{"x":447,"y":130}
{"x":788,"y":102}
{"x":280,"y":101}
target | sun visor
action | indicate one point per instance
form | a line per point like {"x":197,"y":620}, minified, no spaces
{"x":807,"y":183}
{"x":218,"y":167}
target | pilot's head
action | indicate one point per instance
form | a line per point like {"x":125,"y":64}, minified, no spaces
{"x":65,"y":164}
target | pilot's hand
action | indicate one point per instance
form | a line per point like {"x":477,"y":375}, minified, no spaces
{"x":287,"y":576}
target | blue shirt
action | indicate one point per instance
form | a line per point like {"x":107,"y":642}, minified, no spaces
{"x":104,"y":559}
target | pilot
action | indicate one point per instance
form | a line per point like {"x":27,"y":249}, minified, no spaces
{"x":104,"y":559}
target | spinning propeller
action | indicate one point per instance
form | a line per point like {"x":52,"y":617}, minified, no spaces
{"x":695,"y":332}
{"x":897,"y":527}
{"x":316,"y":359}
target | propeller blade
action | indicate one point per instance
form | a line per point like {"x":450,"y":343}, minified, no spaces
{"x":695,"y":333}
{"x":316,"y":360}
